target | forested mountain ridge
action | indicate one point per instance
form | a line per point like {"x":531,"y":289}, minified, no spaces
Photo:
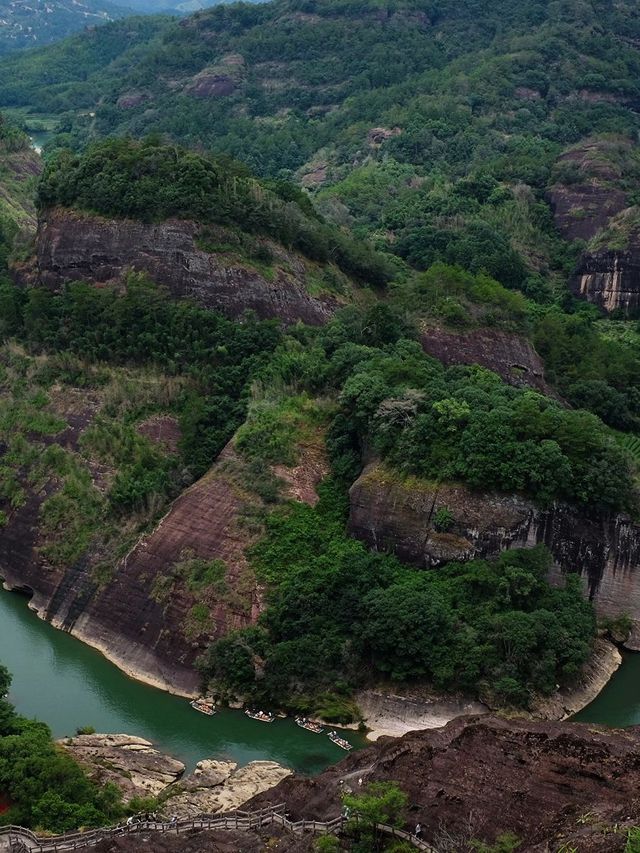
{"x":437,"y":127}
{"x":447,"y":134}
{"x":32,"y":23}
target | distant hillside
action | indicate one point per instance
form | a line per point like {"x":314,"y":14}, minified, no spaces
{"x":19,"y":168}
{"x":32,"y":23}
{"x":434,"y":126}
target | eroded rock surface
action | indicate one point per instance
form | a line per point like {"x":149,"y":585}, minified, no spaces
{"x":509,"y":355}
{"x":394,"y":514}
{"x":481,"y":776}
{"x":592,"y":204}
{"x":73,"y":246}
{"x":222,"y":786}
{"x":141,"y":616}
{"x":132,"y":763}
{"x":387,"y":714}
{"x":583,"y":206}
{"x":610,"y":278}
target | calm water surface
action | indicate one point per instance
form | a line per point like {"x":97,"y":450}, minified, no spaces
{"x":63,"y":682}
{"x":619,"y":703}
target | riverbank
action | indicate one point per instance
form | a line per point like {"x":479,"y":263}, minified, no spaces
{"x":91,"y":691}
{"x":140,"y":770}
{"x":596,"y":674}
{"x":386,"y":710}
{"x":133,"y":659}
{"x":389,"y":713}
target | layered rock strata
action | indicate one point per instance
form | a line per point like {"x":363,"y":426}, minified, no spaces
{"x":73,"y":246}
{"x":394,"y":514}
{"x":139,"y":617}
{"x":610,"y":278}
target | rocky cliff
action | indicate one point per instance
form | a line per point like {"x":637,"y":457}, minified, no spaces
{"x":481,"y":776}
{"x":151,"y":614}
{"x":511,"y":356}
{"x":394,"y":514}
{"x":610,"y":278}
{"x":189,"y":259}
{"x":590,"y":202}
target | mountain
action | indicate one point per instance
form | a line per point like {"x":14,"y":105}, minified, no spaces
{"x":32,"y":23}
{"x":437,"y":190}
{"x":381,"y":110}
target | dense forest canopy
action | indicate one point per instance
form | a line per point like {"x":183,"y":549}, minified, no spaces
{"x":432,"y":127}
{"x":153,"y":182}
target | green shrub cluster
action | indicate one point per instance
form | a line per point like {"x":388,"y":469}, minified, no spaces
{"x":46,"y":789}
{"x":457,"y":423}
{"x":338,"y":615}
{"x":152,"y":182}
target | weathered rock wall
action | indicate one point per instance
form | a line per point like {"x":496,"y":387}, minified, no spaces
{"x":73,"y":246}
{"x":610,"y":279}
{"x":140,"y":616}
{"x":391,"y":514}
{"x":511,"y":356}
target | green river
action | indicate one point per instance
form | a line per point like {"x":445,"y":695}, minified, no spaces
{"x":619,"y":703}
{"x":63,"y":682}
{"x":58,"y":679}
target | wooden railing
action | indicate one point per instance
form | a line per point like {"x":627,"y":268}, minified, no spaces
{"x":21,"y":840}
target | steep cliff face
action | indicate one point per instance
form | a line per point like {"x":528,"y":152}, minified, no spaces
{"x":73,"y":246}
{"x":590,"y":202}
{"x":509,"y":355}
{"x":587,"y":193}
{"x":392,"y":514}
{"x":154,"y":615}
{"x":610,"y":278}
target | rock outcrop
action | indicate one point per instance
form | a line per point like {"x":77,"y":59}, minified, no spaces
{"x":481,"y":776}
{"x":222,"y":786}
{"x":591,"y":203}
{"x":140,"y":770}
{"x":584,"y":205}
{"x":394,"y":514}
{"x":73,"y":246}
{"x":132,"y":763}
{"x":141,"y":615}
{"x":509,"y":355}
{"x":610,"y":278}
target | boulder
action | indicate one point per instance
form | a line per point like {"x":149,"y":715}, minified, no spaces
{"x":132,"y":763}
{"x":221,"y":786}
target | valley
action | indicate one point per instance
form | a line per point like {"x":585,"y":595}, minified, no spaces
{"x":320,"y":391}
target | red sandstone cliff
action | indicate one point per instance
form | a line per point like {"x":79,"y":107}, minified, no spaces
{"x":73,"y":246}
{"x":392,"y":514}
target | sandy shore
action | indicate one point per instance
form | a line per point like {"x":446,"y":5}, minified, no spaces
{"x":387,"y":713}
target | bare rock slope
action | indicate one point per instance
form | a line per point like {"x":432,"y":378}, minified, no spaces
{"x":73,"y":246}
{"x":482,"y":776}
{"x":390,"y":513}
